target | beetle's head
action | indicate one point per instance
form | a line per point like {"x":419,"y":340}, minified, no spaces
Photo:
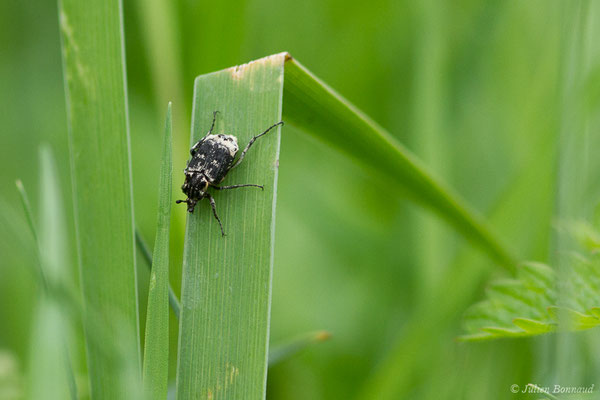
{"x":194,"y":187}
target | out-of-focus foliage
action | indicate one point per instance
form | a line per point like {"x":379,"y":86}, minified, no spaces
{"x":528,"y":305}
{"x":473,"y":87}
{"x":535,"y":303}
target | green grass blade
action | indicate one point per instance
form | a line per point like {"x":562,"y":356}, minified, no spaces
{"x":55,"y":332}
{"x":145,"y":250}
{"x":313,"y":106}
{"x":94,"y":73}
{"x":50,"y":373}
{"x":156,"y":348}
{"x":226,"y":287}
{"x":29,"y":216}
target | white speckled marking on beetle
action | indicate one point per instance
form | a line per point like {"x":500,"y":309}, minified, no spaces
{"x":228,"y":141}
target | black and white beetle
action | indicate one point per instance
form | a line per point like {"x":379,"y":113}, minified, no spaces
{"x":212,"y":158}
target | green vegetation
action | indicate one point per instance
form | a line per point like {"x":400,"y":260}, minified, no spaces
{"x":94,"y":67}
{"x":156,"y":345}
{"x":483,"y":116}
{"x":226,"y":281}
{"x":313,"y":106}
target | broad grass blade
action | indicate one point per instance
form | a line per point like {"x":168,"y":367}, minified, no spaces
{"x":226,"y":288}
{"x":94,"y":73}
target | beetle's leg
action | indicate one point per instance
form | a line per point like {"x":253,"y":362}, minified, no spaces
{"x":214,"y":208}
{"x":251,"y":142}
{"x":212,"y":126}
{"x":237,"y":186}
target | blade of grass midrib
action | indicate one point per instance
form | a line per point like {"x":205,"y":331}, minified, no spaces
{"x":145,"y":250}
{"x":156,"y":348}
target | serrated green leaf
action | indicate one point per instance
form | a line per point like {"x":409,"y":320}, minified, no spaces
{"x":533,"y":327}
{"x":483,"y":314}
{"x":512,"y":291}
{"x":537,"y":275}
{"x":529,"y":302}
{"x":476,"y":337}
{"x":156,"y":348}
{"x":504,"y":332}
{"x":571,"y":319}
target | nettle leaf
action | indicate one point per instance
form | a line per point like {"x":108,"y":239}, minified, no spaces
{"x":529,"y":304}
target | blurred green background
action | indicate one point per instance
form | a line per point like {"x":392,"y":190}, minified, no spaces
{"x":471,"y":86}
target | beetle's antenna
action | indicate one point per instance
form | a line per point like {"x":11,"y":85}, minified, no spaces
{"x":191,"y":204}
{"x":213,"y":123}
{"x":186,"y":201}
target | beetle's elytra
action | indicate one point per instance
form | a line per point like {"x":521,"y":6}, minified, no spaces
{"x":213,"y":157}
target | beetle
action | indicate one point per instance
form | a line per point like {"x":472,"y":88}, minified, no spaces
{"x":213,"y":157}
